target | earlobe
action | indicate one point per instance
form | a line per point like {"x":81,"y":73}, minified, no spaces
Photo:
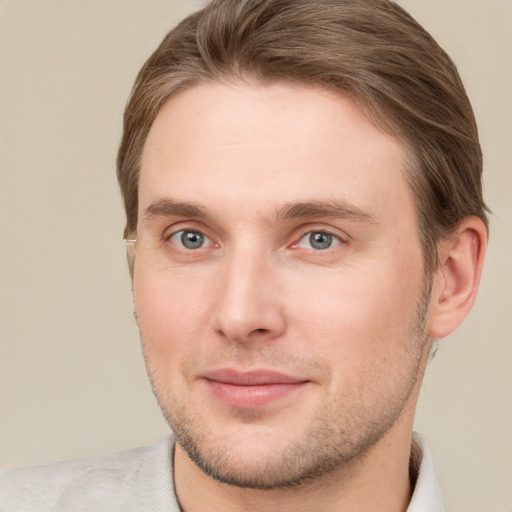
{"x":457,"y":279}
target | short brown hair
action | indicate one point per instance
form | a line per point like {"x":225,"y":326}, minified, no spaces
{"x":370,"y":50}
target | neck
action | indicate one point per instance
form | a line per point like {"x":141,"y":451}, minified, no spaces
{"x":377,"y":482}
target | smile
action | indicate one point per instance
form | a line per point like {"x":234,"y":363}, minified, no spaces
{"x":250,"y":390}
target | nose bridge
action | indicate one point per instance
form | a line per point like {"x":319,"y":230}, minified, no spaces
{"x":248,"y":303}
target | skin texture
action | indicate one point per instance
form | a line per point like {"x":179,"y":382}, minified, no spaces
{"x":250,"y":172}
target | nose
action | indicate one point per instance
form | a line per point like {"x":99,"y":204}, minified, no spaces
{"x":249,"y":305}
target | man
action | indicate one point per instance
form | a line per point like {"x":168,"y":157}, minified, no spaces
{"x":302,"y":184}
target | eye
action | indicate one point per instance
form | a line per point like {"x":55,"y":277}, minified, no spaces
{"x":318,"y":241}
{"x":189,"y":239}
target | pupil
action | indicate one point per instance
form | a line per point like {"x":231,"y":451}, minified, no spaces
{"x":320,"y":240}
{"x":192,"y":239}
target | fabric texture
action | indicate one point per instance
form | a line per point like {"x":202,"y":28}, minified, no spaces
{"x":141,"y":480}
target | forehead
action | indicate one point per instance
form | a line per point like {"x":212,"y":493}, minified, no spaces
{"x":261,"y":145}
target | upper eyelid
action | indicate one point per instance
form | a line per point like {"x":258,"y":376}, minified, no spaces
{"x":176,"y":231}
{"x":333,"y":231}
{"x":168,"y":233}
{"x":324,"y":231}
{"x":186,"y":225}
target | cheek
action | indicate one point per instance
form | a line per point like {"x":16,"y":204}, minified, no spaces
{"x":357,"y":305}
{"x":357,"y":317}
{"x":170,"y":314}
{"x":362,"y":334}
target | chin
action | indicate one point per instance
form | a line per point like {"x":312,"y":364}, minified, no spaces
{"x":257,"y":456}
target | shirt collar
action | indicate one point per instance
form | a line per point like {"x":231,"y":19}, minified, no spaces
{"x":427,"y":496}
{"x":155,"y":482}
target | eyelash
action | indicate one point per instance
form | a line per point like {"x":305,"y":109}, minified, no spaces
{"x":185,"y":231}
{"x":330,"y":238}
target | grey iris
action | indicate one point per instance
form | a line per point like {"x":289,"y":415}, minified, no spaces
{"x":192,"y":239}
{"x":320,"y":241}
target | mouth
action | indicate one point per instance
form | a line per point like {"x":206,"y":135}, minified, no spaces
{"x":253,"y":389}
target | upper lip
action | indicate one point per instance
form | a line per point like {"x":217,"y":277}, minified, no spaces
{"x":251,"y":378}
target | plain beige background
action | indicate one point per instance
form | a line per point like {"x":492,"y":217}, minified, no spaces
{"x":72,"y":381}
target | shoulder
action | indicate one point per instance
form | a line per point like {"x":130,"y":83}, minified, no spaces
{"x":101,"y":483}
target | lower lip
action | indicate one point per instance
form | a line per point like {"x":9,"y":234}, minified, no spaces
{"x":252,"y":397}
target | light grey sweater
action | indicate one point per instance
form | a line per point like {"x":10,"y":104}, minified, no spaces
{"x":141,"y":480}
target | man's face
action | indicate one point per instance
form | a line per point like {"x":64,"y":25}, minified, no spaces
{"x":279,"y":284}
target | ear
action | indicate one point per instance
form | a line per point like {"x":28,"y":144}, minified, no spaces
{"x":456,"y":281}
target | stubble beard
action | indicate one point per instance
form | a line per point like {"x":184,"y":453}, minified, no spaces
{"x":332,"y":442}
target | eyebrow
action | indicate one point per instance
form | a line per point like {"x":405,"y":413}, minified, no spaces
{"x":170,"y":207}
{"x":332,"y":208}
{"x":296,"y":210}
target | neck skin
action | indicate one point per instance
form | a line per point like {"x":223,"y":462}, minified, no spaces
{"x":378,"y":482}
